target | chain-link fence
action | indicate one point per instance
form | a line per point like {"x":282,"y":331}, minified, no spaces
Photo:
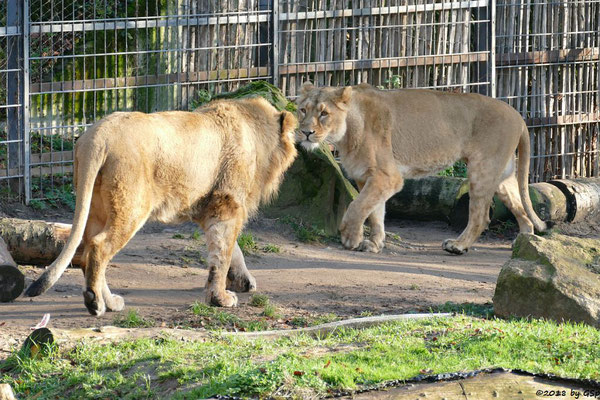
{"x":66,"y":63}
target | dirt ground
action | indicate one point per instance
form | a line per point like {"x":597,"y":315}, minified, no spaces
{"x":160,"y":273}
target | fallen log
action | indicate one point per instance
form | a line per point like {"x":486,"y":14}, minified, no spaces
{"x":36,"y":242}
{"x":68,"y":338}
{"x":12,"y":281}
{"x":583,"y":197}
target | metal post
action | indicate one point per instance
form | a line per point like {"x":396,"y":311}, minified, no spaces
{"x":25,"y":103}
{"x":492,"y":36}
{"x":275,"y":42}
{"x":13,"y":19}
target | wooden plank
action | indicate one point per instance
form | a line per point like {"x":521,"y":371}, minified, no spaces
{"x":191,"y":77}
{"x":382,"y":63}
{"x":548,"y":56}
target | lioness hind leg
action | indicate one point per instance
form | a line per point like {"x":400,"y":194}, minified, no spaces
{"x":508,"y":192}
{"x":102,"y":247}
{"x":239,"y":278}
{"x":221,"y":233}
{"x":483,"y":181}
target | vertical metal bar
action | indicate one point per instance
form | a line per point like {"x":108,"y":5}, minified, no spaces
{"x":275,"y":42}
{"x":25,"y":107}
{"x":13,"y":52}
{"x":492,"y":48}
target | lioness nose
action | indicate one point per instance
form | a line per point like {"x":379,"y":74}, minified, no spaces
{"x":308,"y":133}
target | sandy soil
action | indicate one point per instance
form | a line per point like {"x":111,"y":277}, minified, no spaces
{"x":160,"y":276}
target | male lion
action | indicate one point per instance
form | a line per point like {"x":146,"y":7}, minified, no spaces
{"x":213,"y":166}
{"x":385,"y":136}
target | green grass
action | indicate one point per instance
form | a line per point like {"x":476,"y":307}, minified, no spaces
{"x":459,"y":169}
{"x":302,"y":366}
{"x":214,"y":318}
{"x":259,"y":300}
{"x":306,"y":232}
{"x":247,"y":243}
{"x":133,"y":320}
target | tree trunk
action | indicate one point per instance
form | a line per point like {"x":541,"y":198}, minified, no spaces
{"x":12,"y":280}
{"x":36,"y":242}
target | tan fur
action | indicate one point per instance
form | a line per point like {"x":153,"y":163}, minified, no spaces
{"x":213,"y":166}
{"x":384,"y":137}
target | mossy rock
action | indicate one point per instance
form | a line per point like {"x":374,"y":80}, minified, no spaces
{"x":555,"y":277}
{"x":314,"y":190}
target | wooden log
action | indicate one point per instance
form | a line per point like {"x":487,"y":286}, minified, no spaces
{"x":431,"y":198}
{"x":12,"y":280}
{"x":36,"y":242}
{"x":583,"y":197}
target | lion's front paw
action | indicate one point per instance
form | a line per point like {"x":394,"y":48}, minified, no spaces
{"x":224,"y":299}
{"x":369,"y":246}
{"x":351,"y":236}
{"x":451,"y":247}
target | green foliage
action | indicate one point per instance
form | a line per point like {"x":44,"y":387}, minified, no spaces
{"x":259,"y":300}
{"x":270,"y":311}
{"x":395,"y":82}
{"x":196,"y":235}
{"x":302,"y":366}
{"x":271,"y":248}
{"x":202,"y":96}
{"x":133,"y":320}
{"x":247,"y":243}
{"x":214,"y":318}
{"x":178,"y":236}
{"x":472,"y":309}
{"x":306,"y":232}
{"x":459,"y":170}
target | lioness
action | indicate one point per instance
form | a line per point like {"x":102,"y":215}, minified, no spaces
{"x":385,"y":136}
{"x":213,"y":166}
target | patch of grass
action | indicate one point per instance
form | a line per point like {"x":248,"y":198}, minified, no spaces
{"x":133,"y":320}
{"x":196,"y":235}
{"x":414,"y":286}
{"x":178,"y":236}
{"x":259,"y":300}
{"x":485,"y":310}
{"x":290,"y":367}
{"x":306,"y":232}
{"x":271,"y":248}
{"x":247,"y":243}
{"x":270,"y":311}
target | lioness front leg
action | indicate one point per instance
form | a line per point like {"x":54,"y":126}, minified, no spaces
{"x":220,"y":239}
{"x":239,"y":278}
{"x":369,"y":203}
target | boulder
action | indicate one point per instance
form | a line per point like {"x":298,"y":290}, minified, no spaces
{"x":555,"y":277}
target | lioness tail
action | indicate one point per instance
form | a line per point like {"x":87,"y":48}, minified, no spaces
{"x":523,"y":179}
{"x":86,"y":172}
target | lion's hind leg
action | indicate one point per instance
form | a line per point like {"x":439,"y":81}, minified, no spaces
{"x":508,"y":192}
{"x":101,"y":248}
{"x":239,"y":278}
{"x":484,"y":179}
{"x":222,"y":225}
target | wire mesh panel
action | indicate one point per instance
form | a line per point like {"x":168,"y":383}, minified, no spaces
{"x":91,"y":58}
{"x":547,"y":68}
{"x":11,"y":100}
{"x":388,"y":43}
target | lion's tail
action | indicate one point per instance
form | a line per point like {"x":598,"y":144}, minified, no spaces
{"x":523,"y":179}
{"x":86,"y":171}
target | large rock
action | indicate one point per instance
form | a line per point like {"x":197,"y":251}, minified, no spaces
{"x":555,"y":277}
{"x":314,"y":191}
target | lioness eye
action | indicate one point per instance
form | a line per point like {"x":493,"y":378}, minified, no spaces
{"x":324,"y":113}
{"x":303,"y":110}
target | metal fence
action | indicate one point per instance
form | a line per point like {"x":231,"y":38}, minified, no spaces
{"x":66,"y":63}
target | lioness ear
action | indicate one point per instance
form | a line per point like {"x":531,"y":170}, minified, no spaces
{"x":288,"y":122}
{"x":306,"y":87}
{"x":344,"y":95}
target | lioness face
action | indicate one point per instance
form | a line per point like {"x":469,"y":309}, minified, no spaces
{"x":322,"y":115}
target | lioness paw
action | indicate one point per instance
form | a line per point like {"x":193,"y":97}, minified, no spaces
{"x":94,"y":304}
{"x":369,"y":246}
{"x":451,"y":247}
{"x":225,"y":299}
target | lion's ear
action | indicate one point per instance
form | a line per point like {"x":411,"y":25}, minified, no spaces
{"x":344,"y":95}
{"x":306,"y":87}
{"x":288,"y":122}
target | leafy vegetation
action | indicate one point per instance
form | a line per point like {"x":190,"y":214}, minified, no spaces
{"x":306,"y":232}
{"x":133,"y":320}
{"x":459,"y":170}
{"x":302,"y":366}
